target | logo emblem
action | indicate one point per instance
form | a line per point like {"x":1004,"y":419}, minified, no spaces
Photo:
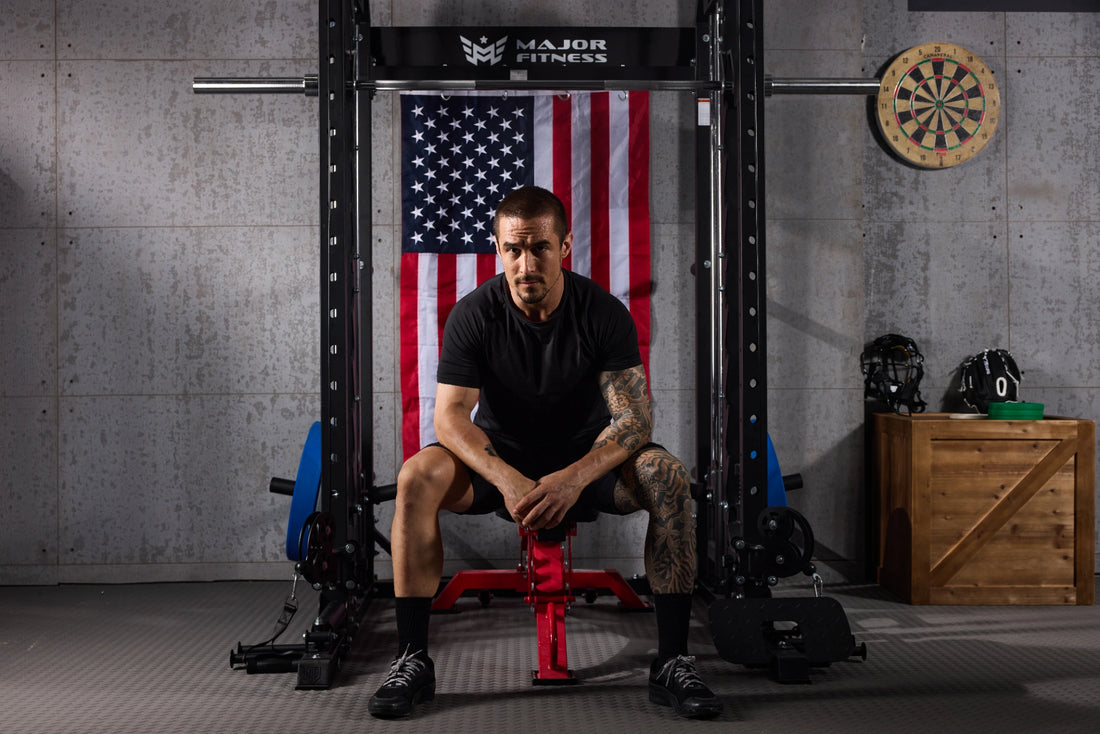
{"x":491,"y":53}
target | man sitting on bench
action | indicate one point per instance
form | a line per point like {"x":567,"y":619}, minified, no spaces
{"x":551,"y":362}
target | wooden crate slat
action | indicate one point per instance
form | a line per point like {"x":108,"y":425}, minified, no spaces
{"x":1001,"y":513}
{"x":985,"y":511}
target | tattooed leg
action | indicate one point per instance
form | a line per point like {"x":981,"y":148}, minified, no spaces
{"x":655,"y":481}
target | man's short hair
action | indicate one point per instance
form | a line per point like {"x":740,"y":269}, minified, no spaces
{"x":532,"y":202}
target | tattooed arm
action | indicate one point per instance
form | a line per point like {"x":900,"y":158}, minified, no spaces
{"x":455,"y":430}
{"x":631,"y":423}
{"x":627,"y":398}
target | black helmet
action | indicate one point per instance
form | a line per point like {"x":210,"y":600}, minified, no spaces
{"x":988,"y":377}
{"x":892,"y":367}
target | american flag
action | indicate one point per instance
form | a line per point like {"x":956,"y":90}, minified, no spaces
{"x":460,"y":155}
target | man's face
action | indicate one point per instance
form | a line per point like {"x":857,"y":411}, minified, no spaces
{"x":532,"y":254}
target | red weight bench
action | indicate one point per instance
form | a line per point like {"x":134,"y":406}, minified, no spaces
{"x":547,"y":579}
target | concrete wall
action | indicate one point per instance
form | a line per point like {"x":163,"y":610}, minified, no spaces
{"x":158,"y":299}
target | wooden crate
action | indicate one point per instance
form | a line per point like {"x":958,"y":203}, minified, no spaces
{"x":985,"y":511}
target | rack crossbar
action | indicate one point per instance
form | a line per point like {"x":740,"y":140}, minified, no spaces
{"x":308,"y":85}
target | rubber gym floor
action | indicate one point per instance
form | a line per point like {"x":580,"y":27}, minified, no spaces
{"x":154,"y":659}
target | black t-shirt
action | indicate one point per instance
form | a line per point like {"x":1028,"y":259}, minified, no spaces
{"x":540,"y":402}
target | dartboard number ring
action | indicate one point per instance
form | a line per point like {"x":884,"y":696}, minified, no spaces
{"x":938,"y":105}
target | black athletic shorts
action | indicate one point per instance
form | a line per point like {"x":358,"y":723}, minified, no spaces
{"x":599,"y":496}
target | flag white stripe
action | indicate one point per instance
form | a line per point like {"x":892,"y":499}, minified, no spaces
{"x":427,"y":309}
{"x":618,"y":195}
{"x":581,"y":156}
{"x":544,"y":134}
{"x":465,"y":275}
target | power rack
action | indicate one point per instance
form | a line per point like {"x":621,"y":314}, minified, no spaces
{"x":744,"y":546}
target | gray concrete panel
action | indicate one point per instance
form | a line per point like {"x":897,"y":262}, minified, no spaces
{"x":28,"y":486}
{"x":672,"y":308}
{"x":387,"y":368}
{"x":1052,"y":34}
{"x":890,"y":28}
{"x":397,"y":456}
{"x":164,"y":311}
{"x":1051,"y":133}
{"x":387,"y":462}
{"x":385,"y":159}
{"x":478,"y":541}
{"x":387,"y":439}
{"x":974,"y":191}
{"x":612,"y":541}
{"x":812,"y":139}
{"x":672,"y":129}
{"x":206,"y":29}
{"x":801,"y":26}
{"x":825,"y":63}
{"x":140,"y":149}
{"x":815,"y":303}
{"x":945,"y":285}
{"x":386,"y":311}
{"x":28,"y":153}
{"x":173,"y":479}
{"x":1055,"y":311}
{"x":26,"y":31}
{"x":674,"y":423}
{"x":28,"y":302}
{"x":819,"y":434}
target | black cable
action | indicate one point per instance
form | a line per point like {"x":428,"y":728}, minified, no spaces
{"x":290,"y":607}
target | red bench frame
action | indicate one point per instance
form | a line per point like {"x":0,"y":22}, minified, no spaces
{"x":547,"y":579}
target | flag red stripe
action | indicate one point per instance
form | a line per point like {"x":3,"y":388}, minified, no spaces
{"x":410,"y":385}
{"x":563,"y":158}
{"x":486,"y":267}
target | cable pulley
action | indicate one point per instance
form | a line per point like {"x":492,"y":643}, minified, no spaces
{"x":787,"y":542}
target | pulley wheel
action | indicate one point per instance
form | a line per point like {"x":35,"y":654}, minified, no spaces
{"x":315,"y":548}
{"x":785,"y":534}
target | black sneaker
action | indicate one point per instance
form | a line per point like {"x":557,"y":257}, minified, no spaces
{"x":676,"y":684}
{"x":411,"y":680}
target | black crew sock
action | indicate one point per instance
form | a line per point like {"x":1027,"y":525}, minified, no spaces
{"x":673,"y":621}
{"x":413,"y":614}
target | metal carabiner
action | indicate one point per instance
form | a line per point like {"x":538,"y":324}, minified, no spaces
{"x":294,"y":586}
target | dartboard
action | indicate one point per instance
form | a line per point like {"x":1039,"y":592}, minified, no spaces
{"x":938,"y":105}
